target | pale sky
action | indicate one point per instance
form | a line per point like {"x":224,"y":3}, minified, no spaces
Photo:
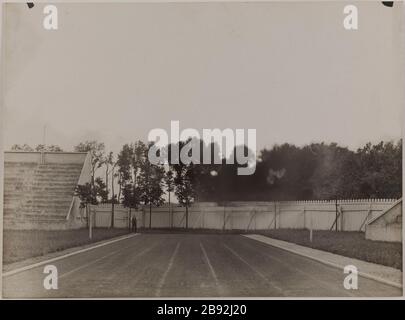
{"x":113,"y":72}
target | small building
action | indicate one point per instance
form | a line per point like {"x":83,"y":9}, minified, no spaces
{"x":388,"y":225}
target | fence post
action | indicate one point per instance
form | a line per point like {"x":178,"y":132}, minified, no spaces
{"x":366,"y":218}
{"x":279,"y":214}
{"x":271,"y":221}
{"x":336,"y":215}
{"x":90,"y":224}
{"x":171,"y":215}
{"x":251,"y":218}
{"x":224,"y":217}
{"x":129,"y":217}
{"x":202,"y":218}
{"x":143,"y":217}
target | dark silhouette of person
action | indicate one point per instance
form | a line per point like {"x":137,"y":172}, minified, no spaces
{"x":134,"y":226}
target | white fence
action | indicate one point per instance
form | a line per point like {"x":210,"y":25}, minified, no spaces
{"x":350,"y":215}
{"x":101,"y":215}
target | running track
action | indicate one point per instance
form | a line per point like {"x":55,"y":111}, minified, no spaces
{"x":189,"y":265}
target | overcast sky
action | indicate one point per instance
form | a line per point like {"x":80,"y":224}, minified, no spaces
{"x":113,"y":72}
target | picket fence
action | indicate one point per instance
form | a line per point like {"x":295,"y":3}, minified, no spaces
{"x":342,"y":215}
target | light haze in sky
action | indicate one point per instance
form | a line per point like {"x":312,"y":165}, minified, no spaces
{"x":113,"y":72}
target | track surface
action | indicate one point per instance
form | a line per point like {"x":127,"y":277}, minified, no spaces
{"x":190,"y":265}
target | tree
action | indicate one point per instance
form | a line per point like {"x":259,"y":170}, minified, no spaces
{"x":169,"y":182}
{"x":130,"y":197}
{"x":87,"y":195}
{"x":184,"y":181}
{"x":124,"y":160}
{"x":206,"y":176}
{"x":380,"y":166}
{"x":54,"y":148}
{"x":139,"y":155}
{"x":110,"y":167}
{"x":101,"y":190}
{"x":114,"y":199}
{"x":328,"y":178}
{"x":49,"y":148}
{"x":129,"y":163}
{"x":314,"y":171}
{"x":185,"y":186}
{"x":24,"y":147}
{"x":108,"y":162}
{"x":96,"y":150}
{"x":38,"y":148}
{"x":283,"y":172}
{"x":150,"y":184}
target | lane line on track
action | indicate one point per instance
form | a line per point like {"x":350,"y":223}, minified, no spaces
{"x":254,"y":269}
{"x":104,"y":257}
{"x":38,"y":264}
{"x":169,"y":267}
{"x":324,"y":261}
{"x":213,"y":273}
{"x":325,"y":284}
{"x":86,"y":265}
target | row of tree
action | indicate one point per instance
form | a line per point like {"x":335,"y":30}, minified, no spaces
{"x":139,"y":180}
{"x":320,"y":171}
{"x":284,"y":172}
{"x":39,"y":147}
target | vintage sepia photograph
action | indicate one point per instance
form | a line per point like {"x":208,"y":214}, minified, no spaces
{"x":202,"y":150}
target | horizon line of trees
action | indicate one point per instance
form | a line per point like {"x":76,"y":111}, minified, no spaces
{"x":317,"y":171}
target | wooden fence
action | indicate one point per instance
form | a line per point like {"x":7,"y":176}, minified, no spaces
{"x":342,"y":215}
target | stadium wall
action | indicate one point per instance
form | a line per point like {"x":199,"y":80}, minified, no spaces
{"x":76,"y":216}
{"x":39,"y":189}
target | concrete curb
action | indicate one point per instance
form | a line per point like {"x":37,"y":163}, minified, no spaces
{"x":70,"y":252}
{"x":269,"y":241}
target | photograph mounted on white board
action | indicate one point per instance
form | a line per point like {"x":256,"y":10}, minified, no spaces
{"x":217,"y":150}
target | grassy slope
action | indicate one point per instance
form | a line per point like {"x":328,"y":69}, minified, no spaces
{"x":22,"y":244}
{"x":349,"y":244}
